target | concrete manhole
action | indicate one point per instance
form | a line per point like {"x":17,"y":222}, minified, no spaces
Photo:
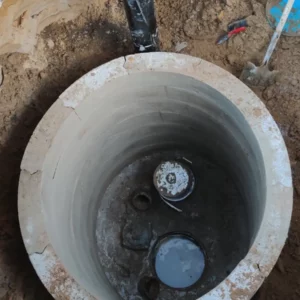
{"x":91,"y":216}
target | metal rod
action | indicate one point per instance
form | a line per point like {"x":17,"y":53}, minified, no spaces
{"x":142,"y":24}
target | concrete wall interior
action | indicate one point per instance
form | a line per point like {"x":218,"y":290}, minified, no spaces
{"x":129,"y":118}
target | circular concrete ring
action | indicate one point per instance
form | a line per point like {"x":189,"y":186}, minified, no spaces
{"x":48,"y":142}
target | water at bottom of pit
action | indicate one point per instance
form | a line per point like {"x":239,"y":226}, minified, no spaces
{"x":133,"y":219}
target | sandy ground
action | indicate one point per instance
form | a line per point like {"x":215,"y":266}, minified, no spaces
{"x":66,"y":51}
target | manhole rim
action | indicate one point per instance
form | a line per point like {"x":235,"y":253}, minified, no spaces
{"x":249,"y":274}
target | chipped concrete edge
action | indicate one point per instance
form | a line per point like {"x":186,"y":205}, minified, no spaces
{"x":55,"y":278}
{"x":250,"y":273}
{"x":92,"y":81}
{"x":30,"y":216}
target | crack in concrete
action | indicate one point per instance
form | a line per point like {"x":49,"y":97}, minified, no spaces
{"x":54,"y":173}
{"x":125,"y":61}
{"x":32,"y":172}
{"x":258,"y":267}
{"x":77,"y":114}
{"x":40,"y":252}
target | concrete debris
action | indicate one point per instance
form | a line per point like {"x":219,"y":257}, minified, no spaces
{"x":180,"y":46}
{"x":50,"y":43}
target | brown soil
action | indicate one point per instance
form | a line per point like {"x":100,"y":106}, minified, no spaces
{"x":66,"y":51}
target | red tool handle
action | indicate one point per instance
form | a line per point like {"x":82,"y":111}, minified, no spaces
{"x":230,"y":34}
{"x":235,"y":31}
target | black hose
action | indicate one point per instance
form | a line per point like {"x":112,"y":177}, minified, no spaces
{"x":142,"y":24}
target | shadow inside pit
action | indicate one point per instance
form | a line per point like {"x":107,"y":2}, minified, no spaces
{"x":90,"y":46}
